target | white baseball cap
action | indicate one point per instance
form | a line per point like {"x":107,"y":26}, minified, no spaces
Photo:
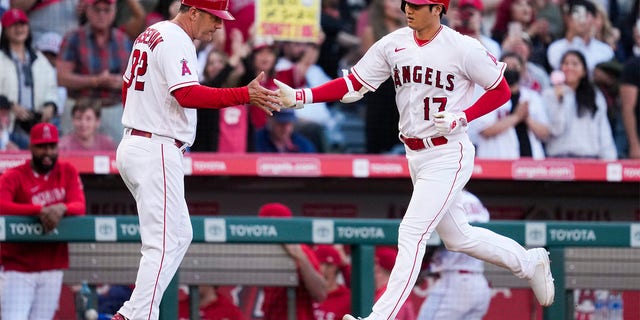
{"x":49,"y":42}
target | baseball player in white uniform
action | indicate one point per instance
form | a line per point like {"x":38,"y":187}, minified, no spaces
{"x":434,"y":69}
{"x":461,"y":291}
{"x":161,"y":93}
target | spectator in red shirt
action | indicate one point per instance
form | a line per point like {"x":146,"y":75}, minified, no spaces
{"x":85,"y":117}
{"x":49,"y":190}
{"x":338,"y":301}
{"x":213,"y":306}
{"x":312,"y":287}
{"x":385,"y":258}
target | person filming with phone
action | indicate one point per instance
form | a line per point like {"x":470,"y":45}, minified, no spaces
{"x":579,"y":16}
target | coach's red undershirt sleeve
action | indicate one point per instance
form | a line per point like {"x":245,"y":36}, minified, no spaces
{"x":198,"y":96}
{"x":489,"y":101}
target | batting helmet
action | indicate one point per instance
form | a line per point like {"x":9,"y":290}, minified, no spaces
{"x":218,"y":8}
{"x":445,"y":3}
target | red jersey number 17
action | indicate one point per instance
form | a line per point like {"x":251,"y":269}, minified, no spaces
{"x":440,"y":102}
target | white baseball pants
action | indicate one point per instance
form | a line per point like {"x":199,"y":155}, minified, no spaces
{"x":31,"y":295}
{"x":152,"y":170}
{"x":438,"y":175}
{"x":456,"y":296}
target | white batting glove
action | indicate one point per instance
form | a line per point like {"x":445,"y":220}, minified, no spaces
{"x":289,"y":97}
{"x":448,"y":123}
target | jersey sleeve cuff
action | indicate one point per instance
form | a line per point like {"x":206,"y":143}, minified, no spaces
{"x":364,"y":83}
{"x":182,"y":85}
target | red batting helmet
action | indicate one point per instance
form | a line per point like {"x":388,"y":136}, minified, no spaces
{"x":445,"y":3}
{"x":218,"y":8}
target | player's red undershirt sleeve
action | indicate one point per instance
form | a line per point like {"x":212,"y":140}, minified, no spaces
{"x":489,"y":101}
{"x":334,"y":90}
{"x":198,"y":96}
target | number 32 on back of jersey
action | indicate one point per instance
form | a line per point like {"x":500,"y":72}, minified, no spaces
{"x":138,"y":69}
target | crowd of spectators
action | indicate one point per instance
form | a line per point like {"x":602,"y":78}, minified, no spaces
{"x":573,"y":71}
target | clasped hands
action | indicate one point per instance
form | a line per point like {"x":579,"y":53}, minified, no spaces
{"x":269,"y":100}
{"x":51,"y":215}
{"x":289,"y":98}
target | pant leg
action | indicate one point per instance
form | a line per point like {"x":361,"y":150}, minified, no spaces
{"x":479,"y":296}
{"x":459,"y":236}
{"x":47,"y":295}
{"x":17,"y":295}
{"x":435,"y":299}
{"x":457,"y":297}
{"x":439,"y":174}
{"x":153,"y":173}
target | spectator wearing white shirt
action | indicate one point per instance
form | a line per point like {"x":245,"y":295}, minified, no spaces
{"x":534,"y":76}
{"x":49,"y":44}
{"x":517,"y":128}
{"x":580,"y":20}
{"x":578,"y":114}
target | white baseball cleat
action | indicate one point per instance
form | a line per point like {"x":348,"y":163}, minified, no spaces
{"x":350,"y":317}
{"x":542,"y":280}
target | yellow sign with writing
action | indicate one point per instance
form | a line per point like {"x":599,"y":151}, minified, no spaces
{"x":288,"y":20}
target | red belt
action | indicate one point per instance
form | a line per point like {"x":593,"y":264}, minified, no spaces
{"x":465,"y":272}
{"x":416,"y":144}
{"x":438,"y":275}
{"x":136,"y":132}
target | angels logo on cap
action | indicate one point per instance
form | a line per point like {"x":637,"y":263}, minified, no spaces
{"x":43,"y":133}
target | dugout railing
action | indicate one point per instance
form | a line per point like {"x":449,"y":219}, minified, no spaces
{"x":116,"y":263}
{"x":579,"y":250}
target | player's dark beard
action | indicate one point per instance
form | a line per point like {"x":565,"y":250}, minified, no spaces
{"x":40,"y":167}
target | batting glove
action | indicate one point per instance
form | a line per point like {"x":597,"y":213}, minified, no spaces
{"x":448,"y":123}
{"x":289,"y":97}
